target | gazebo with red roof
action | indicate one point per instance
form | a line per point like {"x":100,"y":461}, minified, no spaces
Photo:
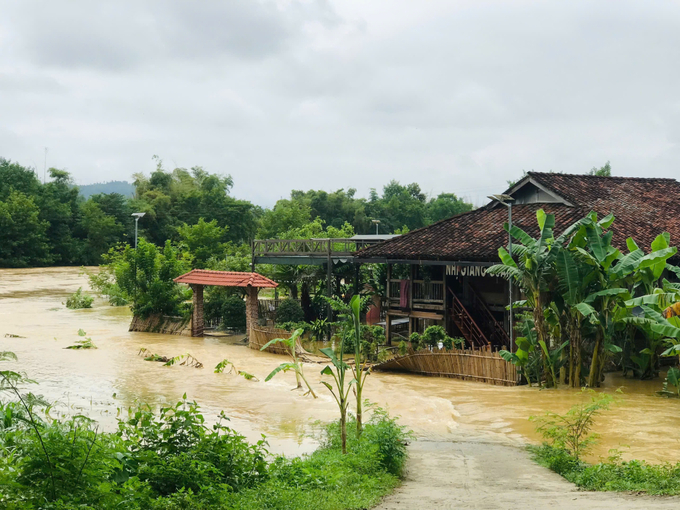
{"x":199,"y":278}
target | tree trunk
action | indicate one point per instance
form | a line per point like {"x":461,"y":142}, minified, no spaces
{"x":575,"y":351}
{"x":541,"y":334}
{"x":359,"y":411}
{"x":343,"y":429}
{"x":579,"y":360}
{"x":594,"y":376}
{"x":306,"y":302}
{"x":564,"y":332}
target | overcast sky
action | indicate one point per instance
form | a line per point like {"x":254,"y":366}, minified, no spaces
{"x":458,"y":96}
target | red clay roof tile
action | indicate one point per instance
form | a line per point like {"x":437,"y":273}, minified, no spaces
{"x":226,"y":279}
{"x":643,"y":209}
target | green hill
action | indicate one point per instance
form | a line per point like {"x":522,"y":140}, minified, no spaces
{"x":123,"y":187}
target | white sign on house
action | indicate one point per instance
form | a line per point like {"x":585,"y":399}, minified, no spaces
{"x":466,"y":270}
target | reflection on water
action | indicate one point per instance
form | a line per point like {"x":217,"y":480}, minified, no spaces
{"x":86,"y":381}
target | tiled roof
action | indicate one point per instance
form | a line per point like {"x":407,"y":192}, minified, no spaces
{"x":225,"y":279}
{"x":643,"y":209}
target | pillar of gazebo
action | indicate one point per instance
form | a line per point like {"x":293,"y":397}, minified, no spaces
{"x":252,"y":313}
{"x":197,"y":314}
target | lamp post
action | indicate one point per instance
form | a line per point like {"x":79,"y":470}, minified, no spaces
{"x":136,"y":215}
{"x":507,"y":201}
{"x":376,"y":223}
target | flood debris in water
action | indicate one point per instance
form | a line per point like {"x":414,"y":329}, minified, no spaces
{"x":185,"y":360}
{"x":223,"y":365}
{"x":246,"y":375}
{"x":12,"y":335}
{"x":82,"y":344}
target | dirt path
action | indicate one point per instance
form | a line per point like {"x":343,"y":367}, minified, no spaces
{"x":480,"y":475}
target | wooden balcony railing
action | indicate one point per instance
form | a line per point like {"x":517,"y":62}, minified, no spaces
{"x":428,"y":292}
{"x":424,"y":293}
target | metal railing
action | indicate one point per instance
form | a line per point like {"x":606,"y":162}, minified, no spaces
{"x":283,"y":247}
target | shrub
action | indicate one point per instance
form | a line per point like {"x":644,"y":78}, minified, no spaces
{"x":403,"y":348}
{"x":234,"y":313}
{"x":415,"y":340}
{"x":289,"y":310}
{"x":176,"y":450}
{"x":79,"y":300}
{"x":632,"y":476}
{"x":572,"y":431}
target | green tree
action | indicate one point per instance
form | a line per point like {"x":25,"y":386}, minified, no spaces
{"x":445,"y":206}
{"x":286,"y":215}
{"x":203,"y":240}
{"x":58,"y":202}
{"x":24,"y":242}
{"x":603,"y":171}
{"x":146,"y":278}
{"x":101,"y":230}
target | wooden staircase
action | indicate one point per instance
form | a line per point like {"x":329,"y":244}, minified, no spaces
{"x":466,"y":324}
{"x":497,"y":332}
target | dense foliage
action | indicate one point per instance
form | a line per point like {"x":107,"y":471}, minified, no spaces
{"x":79,"y":299}
{"x":582,"y":292}
{"x":144,"y":278}
{"x":171,"y":459}
{"x":53,"y":224}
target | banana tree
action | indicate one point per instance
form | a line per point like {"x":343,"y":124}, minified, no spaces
{"x":526,"y":356}
{"x":574,"y":282}
{"x":534,"y":270}
{"x":339,"y":370}
{"x":295,"y":365}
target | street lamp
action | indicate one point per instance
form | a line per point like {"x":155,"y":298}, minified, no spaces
{"x":376,"y":223}
{"x":507,"y":201}
{"x":137,"y":215}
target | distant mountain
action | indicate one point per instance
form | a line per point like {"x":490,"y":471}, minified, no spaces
{"x":122,"y":187}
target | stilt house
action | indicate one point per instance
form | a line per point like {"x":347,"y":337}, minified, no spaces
{"x":437,"y":274}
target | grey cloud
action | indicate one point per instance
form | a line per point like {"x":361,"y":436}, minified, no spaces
{"x":122,"y":35}
{"x":459,"y":96}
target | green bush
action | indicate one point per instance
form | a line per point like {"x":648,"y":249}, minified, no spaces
{"x":172,"y":460}
{"x":79,"y":300}
{"x":632,"y":476}
{"x":234,"y":313}
{"x":289,"y":310}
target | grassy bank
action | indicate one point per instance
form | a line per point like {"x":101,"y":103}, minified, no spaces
{"x":614,"y":475}
{"x":171,"y":460}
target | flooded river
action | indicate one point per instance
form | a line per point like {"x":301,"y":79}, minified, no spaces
{"x":98,"y":382}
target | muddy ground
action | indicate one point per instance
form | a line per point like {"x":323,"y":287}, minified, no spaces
{"x":479,"y":474}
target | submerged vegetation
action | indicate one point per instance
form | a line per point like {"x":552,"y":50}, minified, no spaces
{"x":86,"y":343}
{"x":79,"y":299}
{"x":295,"y":365}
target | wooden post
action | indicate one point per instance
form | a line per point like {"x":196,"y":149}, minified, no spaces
{"x":388,"y":328}
{"x":388,"y":321}
{"x":329,"y":286}
{"x":252,"y":313}
{"x":197,"y":313}
{"x":357,"y":269}
{"x":410,"y":286}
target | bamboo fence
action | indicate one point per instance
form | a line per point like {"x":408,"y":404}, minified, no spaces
{"x":482,"y":365}
{"x":162,"y":324}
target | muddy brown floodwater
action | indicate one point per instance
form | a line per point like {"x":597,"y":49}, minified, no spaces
{"x":642,"y":425}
